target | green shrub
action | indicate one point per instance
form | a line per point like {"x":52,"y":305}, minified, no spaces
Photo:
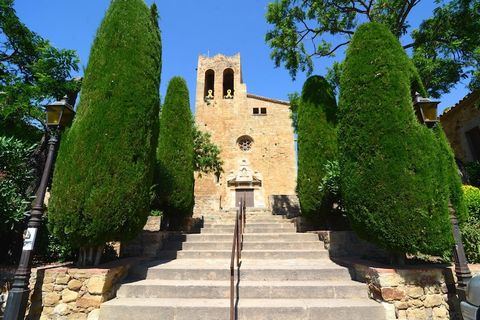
{"x":473,"y":173}
{"x":156,"y":213}
{"x":206,"y":154}
{"x":175,"y":154}
{"x":15,"y":177}
{"x":331,"y":184}
{"x":105,"y":165}
{"x":472,"y":200}
{"x":394,"y":179}
{"x":471,"y":239}
{"x":471,"y":228}
{"x":317,"y":144}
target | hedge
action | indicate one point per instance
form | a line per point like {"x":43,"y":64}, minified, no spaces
{"x":317,"y":144}
{"x":395,"y":175}
{"x":175,"y":154}
{"x":104,"y":171}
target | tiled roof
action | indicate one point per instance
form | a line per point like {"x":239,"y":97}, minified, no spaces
{"x":467,"y":100}
{"x":254,"y":96}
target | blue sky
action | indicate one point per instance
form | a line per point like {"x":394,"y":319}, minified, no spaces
{"x":190,"y":28}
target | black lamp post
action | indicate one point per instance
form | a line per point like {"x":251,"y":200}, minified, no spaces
{"x":426,"y":111}
{"x":59,"y":115}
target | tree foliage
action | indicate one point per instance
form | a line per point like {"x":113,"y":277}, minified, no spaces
{"x":175,"y":154}
{"x":31,"y":72}
{"x":206,"y":154}
{"x":15,"y":177}
{"x":317,"y":144}
{"x":396,"y":178}
{"x":446,"y":46}
{"x":105,"y":165}
{"x":294,"y":99}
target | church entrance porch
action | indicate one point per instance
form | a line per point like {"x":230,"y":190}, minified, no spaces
{"x":246,"y":194}
{"x":246,"y":183}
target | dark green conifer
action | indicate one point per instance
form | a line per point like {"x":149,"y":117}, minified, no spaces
{"x":392,"y":167}
{"x":104,"y":170}
{"x":175,"y":154}
{"x":317,"y":143}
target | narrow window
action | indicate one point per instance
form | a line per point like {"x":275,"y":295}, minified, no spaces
{"x":209,"y":84}
{"x":228,"y":89}
{"x":263,"y":110}
{"x":255,"y":110}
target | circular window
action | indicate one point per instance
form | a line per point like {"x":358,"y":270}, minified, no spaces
{"x":245,"y":143}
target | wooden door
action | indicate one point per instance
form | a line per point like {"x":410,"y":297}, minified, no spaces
{"x":246,"y":194}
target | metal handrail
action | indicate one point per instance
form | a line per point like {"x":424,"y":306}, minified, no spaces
{"x":237,"y":246}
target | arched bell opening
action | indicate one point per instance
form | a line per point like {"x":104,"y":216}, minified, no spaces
{"x":209,"y":90}
{"x":228,"y":87}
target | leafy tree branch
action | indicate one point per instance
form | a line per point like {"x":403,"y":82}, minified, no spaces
{"x":445,"y":48}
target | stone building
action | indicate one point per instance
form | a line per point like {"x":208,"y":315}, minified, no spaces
{"x":255,"y":136}
{"x":461,"y":124}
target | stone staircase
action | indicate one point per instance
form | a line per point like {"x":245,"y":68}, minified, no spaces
{"x":283,"y":275}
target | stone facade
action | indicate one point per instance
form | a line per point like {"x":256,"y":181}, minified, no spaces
{"x":459,"y":124}
{"x":254,"y":133}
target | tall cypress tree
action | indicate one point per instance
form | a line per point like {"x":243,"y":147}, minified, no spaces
{"x":394,"y":181}
{"x":175,"y":154}
{"x":101,"y":186}
{"x":317,"y":143}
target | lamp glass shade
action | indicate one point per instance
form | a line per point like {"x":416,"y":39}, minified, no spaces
{"x":429,"y":110}
{"x":59,"y":113}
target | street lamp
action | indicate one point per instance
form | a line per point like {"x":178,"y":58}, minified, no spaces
{"x":426,"y":111}
{"x":59,"y":115}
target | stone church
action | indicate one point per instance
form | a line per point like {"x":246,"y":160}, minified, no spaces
{"x":254,"y":134}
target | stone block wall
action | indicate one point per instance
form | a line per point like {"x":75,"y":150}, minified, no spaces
{"x":456,"y":121}
{"x":147,"y":243}
{"x":74,"y":293}
{"x":286,"y":205}
{"x":346,"y":244}
{"x":206,"y":204}
{"x":411,"y":293}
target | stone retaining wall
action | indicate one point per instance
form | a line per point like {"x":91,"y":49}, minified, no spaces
{"x":285,"y":205}
{"x":348,"y":244}
{"x":411,"y":293}
{"x":74,"y":293}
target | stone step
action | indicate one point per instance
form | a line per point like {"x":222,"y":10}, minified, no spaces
{"x":279,"y":224}
{"x":251,"y":245}
{"x":248,"y":222}
{"x":285,"y":237}
{"x":253,"y":270}
{"x":249,"y":254}
{"x":248,"y":215}
{"x":247,"y":289}
{"x":271,"y":229}
{"x":247,"y":309}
